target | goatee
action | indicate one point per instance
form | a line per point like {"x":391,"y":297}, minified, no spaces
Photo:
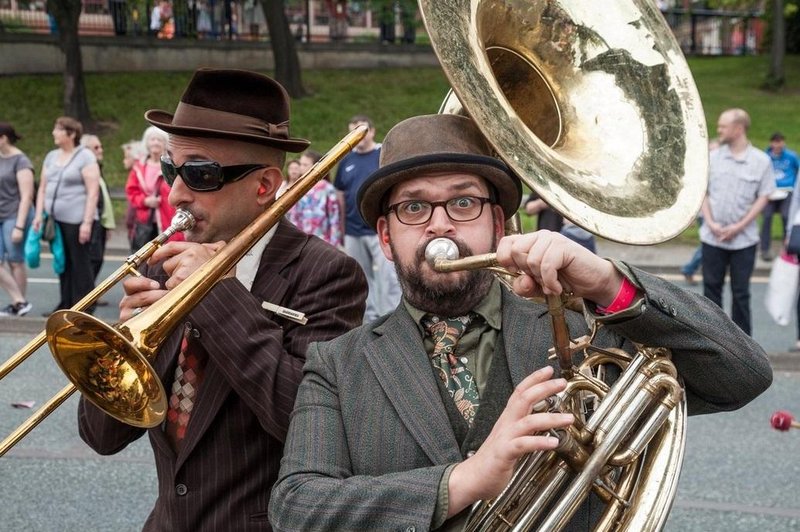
{"x":444,"y":298}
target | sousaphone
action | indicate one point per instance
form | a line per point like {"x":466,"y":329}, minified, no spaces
{"x":592,"y":105}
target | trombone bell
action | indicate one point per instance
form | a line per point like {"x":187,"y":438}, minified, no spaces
{"x":107,"y":368}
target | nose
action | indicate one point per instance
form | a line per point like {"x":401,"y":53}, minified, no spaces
{"x":179,"y":193}
{"x":440,"y":223}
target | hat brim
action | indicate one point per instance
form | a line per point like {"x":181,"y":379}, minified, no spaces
{"x":163,"y":120}
{"x":377,"y":185}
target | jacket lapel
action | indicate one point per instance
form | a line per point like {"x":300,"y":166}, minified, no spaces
{"x":397,"y":358}
{"x":269,"y":285}
{"x":527,"y":334}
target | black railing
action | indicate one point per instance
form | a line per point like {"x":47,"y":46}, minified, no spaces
{"x":699,"y":31}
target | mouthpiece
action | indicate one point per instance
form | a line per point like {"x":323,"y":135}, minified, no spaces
{"x":182,"y":220}
{"x":440,"y":248}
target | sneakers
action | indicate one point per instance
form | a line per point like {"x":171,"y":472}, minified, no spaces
{"x":16,"y":309}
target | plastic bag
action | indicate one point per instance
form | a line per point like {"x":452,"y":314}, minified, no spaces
{"x":33,"y":248}
{"x":781,"y":296}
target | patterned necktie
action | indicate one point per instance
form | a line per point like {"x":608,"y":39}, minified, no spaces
{"x":188,"y":376}
{"x":452,"y":369}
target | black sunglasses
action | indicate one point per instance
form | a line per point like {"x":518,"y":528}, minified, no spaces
{"x":205,"y":176}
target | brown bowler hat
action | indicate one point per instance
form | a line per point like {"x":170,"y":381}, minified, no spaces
{"x":431,"y":144}
{"x":235,"y":104}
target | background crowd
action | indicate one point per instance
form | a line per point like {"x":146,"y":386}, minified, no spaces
{"x":70,"y":191}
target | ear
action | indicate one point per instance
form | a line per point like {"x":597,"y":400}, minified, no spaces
{"x":499,"y":222}
{"x":269,"y":180}
{"x":384,"y":240}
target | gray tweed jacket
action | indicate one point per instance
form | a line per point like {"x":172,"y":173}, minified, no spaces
{"x":370,"y":438}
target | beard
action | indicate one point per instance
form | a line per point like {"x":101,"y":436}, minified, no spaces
{"x":447,"y":294}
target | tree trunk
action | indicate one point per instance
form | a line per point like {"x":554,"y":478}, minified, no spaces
{"x":776,"y":77}
{"x":284,"y":53}
{"x":66,"y":14}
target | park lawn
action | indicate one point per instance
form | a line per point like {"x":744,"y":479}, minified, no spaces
{"x":118,"y":102}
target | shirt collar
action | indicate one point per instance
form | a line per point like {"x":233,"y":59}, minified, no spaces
{"x":247,"y":267}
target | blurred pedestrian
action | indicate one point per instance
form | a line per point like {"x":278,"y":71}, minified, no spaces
{"x":105,"y":209}
{"x":68,"y":192}
{"x":785,"y":166}
{"x":119,"y":16}
{"x":690,"y":268}
{"x":361,"y":240}
{"x":546,"y":217}
{"x":740,"y":183}
{"x":16,"y":213}
{"x":148,"y":192}
{"x":317,"y":213}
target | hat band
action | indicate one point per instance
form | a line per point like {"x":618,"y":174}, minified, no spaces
{"x":188,"y":115}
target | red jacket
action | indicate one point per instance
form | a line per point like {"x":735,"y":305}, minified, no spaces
{"x":136,"y":196}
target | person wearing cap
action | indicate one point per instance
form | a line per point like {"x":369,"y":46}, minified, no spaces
{"x":395,"y":431}
{"x":231,"y":367}
{"x":16,"y":214}
{"x":785,"y":165}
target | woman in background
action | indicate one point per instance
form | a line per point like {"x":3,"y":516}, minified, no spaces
{"x":147,"y":192}
{"x":68,"y":191}
{"x":16,"y":200}
{"x":317,"y":213}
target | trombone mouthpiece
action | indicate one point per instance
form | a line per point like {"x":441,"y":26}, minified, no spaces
{"x":182,"y":221}
{"x":440,"y":248}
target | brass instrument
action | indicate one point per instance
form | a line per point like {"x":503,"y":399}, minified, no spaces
{"x":592,"y":105}
{"x":182,"y":221}
{"x":109,"y":363}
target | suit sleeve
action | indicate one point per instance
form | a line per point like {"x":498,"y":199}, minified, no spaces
{"x":722,"y":367}
{"x":262,"y":359}
{"x":317,"y":488}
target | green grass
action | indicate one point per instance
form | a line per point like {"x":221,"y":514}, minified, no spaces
{"x":118,"y":102}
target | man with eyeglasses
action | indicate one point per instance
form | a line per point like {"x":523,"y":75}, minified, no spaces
{"x":404,"y":423}
{"x":231,"y":370}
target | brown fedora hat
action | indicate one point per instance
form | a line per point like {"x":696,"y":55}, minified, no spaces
{"x":431,"y":144}
{"x":235,"y":104}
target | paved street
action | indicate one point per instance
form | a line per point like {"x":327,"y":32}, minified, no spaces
{"x":737,"y":475}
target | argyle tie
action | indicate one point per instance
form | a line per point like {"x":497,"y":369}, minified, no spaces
{"x":449,"y":366}
{"x":188,"y":376}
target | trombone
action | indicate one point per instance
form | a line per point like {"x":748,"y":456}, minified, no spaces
{"x":182,"y":221}
{"x":109,"y":364}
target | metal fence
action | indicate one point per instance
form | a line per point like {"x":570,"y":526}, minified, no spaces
{"x":707,"y":32}
{"x":310,"y":20}
{"x":700,"y":32}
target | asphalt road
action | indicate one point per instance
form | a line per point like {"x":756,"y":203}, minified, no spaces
{"x":738,"y":474}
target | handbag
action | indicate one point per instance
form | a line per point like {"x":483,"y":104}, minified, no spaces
{"x":144,"y":232}
{"x":781,"y":296}
{"x":49,"y":228}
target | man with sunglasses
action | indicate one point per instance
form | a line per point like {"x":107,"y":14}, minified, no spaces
{"x":231,"y":370}
{"x":403,"y":423}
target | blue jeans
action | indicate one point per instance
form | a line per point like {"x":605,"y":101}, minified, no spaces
{"x":716,"y":261}
{"x":694,"y":263}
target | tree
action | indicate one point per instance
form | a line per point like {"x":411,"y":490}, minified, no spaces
{"x":284,"y":53}
{"x":776,"y":77}
{"x":66,"y":14}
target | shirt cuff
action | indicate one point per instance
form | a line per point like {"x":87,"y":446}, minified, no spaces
{"x":442,"y":499}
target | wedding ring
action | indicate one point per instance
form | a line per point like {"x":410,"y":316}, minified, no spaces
{"x":136,"y":311}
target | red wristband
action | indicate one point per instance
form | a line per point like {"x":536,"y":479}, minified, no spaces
{"x":623,"y":299}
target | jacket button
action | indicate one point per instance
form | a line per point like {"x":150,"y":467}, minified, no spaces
{"x":470,"y":454}
{"x":673,"y":311}
{"x":411,"y":529}
{"x":181,"y":490}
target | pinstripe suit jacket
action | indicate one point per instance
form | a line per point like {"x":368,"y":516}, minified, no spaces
{"x":370,"y":438}
{"x":221,"y":478}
